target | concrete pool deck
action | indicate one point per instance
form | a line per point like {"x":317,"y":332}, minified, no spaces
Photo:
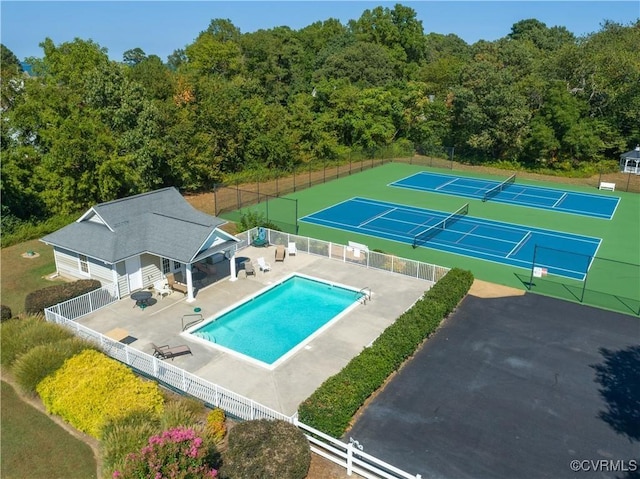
{"x":285,"y":387}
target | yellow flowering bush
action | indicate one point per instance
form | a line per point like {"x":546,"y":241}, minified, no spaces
{"x":216,"y":425}
{"x":91,"y":389}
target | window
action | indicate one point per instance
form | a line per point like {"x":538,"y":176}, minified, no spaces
{"x":176,"y":265}
{"x":166,"y":266}
{"x":84,"y":263}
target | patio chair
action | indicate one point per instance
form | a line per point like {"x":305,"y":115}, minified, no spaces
{"x":166,"y":352}
{"x":161,"y":288}
{"x":248,"y":268}
{"x":174,"y":285}
{"x":292,"y":249}
{"x":263,"y":265}
{"x":261,"y":238}
{"x":280,"y":252}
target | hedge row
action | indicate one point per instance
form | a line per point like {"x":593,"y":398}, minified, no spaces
{"x":331,"y":407}
{"x":38,"y":300}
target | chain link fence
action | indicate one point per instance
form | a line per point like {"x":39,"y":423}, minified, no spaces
{"x":605,"y":283}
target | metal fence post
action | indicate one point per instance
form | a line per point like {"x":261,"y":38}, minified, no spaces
{"x":584,"y":282}
{"x":533,"y":265}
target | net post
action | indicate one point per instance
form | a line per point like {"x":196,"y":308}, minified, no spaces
{"x":584,"y":282}
{"x":533,"y":265}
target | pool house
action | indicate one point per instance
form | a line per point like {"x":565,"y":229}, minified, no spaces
{"x":134,"y":243}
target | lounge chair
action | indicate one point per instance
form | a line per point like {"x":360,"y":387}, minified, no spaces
{"x":161,"y":288}
{"x":248,"y":268}
{"x":292,"y":249}
{"x":166,"y":352}
{"x":263,"y":265}
{"x":280,"y":252}
{"x":175,"y":285}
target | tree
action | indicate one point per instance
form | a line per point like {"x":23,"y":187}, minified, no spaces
{"x":210,"y":55}
{"x":544,"y":38}
{"x":9,"y":63}
{"x":134,"y":56}
{"x":69,"y":63}
{"x":364,"y":64}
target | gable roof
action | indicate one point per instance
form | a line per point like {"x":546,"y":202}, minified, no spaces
{"x":160,"y":222}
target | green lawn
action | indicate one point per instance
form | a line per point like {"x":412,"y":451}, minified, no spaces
{"x":35,"y":446}
{"x":21,"y":275}
{"x":609,"y":285}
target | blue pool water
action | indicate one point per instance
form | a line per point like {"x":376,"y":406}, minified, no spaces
{"x":277,"y":321}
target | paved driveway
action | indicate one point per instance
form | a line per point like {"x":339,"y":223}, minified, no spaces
{"x":514,"y":387}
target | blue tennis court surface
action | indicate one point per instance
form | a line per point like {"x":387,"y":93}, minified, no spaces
{"x":598,"y":206}
{"x":495,"y":241}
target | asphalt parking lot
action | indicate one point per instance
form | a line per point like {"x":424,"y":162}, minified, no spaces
{"x":514,"y":387}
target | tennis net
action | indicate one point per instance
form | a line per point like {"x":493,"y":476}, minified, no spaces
{"x":498,"y":188}
{"x":424,"y":236}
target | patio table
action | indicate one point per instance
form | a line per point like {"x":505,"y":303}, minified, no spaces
{"x":141,"y":298}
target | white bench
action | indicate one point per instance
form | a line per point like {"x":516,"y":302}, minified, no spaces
{"x":356,"y":248}
{"x":607,"y":186}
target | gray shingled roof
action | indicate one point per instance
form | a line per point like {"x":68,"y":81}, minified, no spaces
{"x":160,"y":222}
{"x":633,"y":154}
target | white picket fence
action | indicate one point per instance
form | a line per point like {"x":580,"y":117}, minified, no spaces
{"x":353,"y":255}
{"x":347,"y":455}
{"x":235,"y":405}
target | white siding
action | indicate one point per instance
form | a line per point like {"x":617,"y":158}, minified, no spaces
{"x":68,"y":265}
{"x":151,"y":269}
{"x":123,"y":284}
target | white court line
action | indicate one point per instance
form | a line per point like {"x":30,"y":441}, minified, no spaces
{"x":376,"y":217}
{"x":520,"y":244}
{"x":564,"y":195}
{"x":470,"y":232}
{"x":446,"y":184}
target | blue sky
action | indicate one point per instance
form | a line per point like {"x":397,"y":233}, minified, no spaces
{"x":160,"y":27}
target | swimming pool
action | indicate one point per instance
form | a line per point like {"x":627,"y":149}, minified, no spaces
{"x":275,"y":323}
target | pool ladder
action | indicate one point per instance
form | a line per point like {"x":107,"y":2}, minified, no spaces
{"x":364,"y":295}
{"x":198,"y":319}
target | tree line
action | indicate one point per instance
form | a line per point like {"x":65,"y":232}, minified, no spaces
{"x":83,"y":129}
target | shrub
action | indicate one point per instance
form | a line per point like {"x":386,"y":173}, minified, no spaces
{"x":43,"y":360}
{"x":216,"y":425}
{"x":124,"y":435}
{"x":5,"y":313}
{"x":331,"y":407}
{"x":254,"y":219}
{"x":38,"y":300}
{"x":91,"y":389}
{"x":178,"y":413}
{"x":19,"y":336}
{"x":175,"y":453}
{"x":266,"y":449}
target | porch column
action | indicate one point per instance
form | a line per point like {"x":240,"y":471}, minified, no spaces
{"x":190,"y":298}
{"x":232,"y":265}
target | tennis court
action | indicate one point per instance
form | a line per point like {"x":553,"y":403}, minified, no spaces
{"x":461,"y":234}
{"x":597,"y":206}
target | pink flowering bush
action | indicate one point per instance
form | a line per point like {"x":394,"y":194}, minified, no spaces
{"x":177,"y":453}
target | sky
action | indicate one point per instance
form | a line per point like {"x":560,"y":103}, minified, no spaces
{"x":160,"y":27}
